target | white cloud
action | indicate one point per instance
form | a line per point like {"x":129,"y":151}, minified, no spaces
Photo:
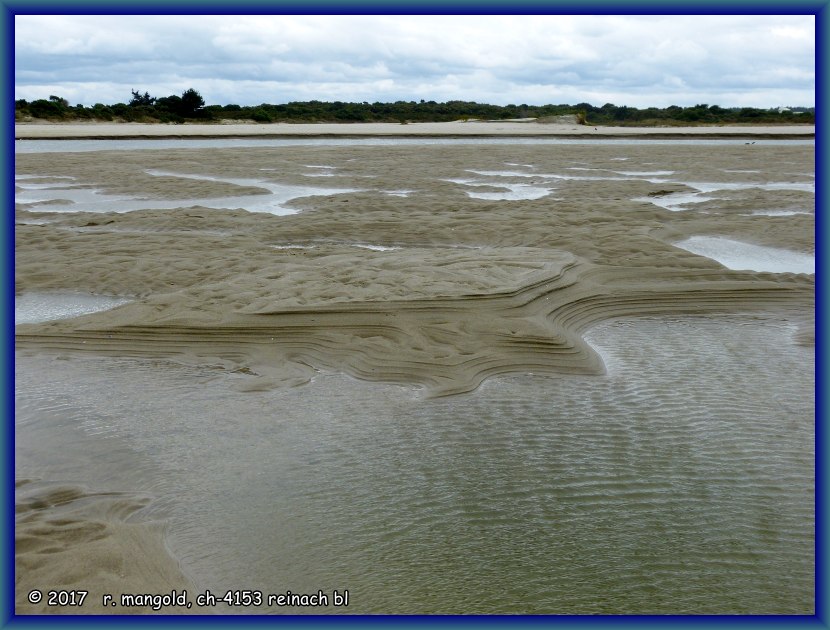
{"x":627,"y":60}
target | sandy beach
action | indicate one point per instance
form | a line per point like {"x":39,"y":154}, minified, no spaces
{"x":529,"y":128}
{"x":423,"y":271}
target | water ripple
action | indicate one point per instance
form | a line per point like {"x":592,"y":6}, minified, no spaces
{"x":681,"y":481}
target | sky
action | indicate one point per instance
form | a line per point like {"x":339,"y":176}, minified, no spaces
{"x":639,"y":61}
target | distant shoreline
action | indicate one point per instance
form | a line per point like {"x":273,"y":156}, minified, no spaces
{"x":108,"y":131}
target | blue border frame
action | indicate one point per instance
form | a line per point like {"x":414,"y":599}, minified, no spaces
{"x":821,"y":498}
{"x":414,"y":7}
{"x":9,"y":8}
{"x":7,"y":317}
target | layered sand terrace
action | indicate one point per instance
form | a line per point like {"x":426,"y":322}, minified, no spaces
{"x":436,"y":285}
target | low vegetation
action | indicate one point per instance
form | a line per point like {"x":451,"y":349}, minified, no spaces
{"x":190,"y":107}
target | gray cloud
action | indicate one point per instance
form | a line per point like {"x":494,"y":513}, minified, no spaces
{"x":628,"y":60}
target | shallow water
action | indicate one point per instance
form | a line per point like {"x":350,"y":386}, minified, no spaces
{"x":54,"y":197}
{"x":681,"y":481}
{"x":33,"y":307}
{"x":749,"y":257}
{"x":529,"y":181}
{"x":681,"y":201}
{"x":73,"y":146}
{"x":777,"y":213}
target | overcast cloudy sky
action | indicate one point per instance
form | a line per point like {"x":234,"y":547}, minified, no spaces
{"x":757,"y":61}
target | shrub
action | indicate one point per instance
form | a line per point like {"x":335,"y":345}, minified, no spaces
{"x":46,"y":109}
{"x":261,"y":116}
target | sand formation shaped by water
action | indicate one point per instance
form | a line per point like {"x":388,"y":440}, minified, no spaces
{"x":496,"y":259}
{"x":458,"y":288}
{"x":74,"y":540}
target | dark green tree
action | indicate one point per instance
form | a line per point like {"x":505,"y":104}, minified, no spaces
{"x":142,"y":100}
{"x":191,"y":104}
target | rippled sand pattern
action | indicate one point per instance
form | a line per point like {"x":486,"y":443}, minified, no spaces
{"x":341,"y":397}
{"x":680,"y":482}
{"x":473,"y":287}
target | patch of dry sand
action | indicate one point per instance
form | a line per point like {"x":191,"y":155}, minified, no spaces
{"x":448,"y":129}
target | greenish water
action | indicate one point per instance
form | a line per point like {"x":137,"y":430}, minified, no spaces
{"x":682,"y":481}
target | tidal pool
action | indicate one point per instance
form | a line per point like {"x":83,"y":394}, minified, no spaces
{"x":747,"y":256}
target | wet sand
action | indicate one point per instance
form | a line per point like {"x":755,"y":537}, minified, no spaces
{"x":72,"y":538}
{"x":458,"y":289}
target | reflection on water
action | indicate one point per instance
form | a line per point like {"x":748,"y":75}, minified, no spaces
{"x":121,"y":144}
{"x":747,"y":256}
{"x":682,"y":481}
{"x":531,"y":182}
{"x":52,"y":197}
{"x":35,"y":307}
{"x":678,"y":201}
{"x":506,"y":192}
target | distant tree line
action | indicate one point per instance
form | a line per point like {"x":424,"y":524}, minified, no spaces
{"x":142,"y":108}
{"x":190,"y":106}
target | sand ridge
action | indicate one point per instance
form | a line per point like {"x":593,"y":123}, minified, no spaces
{"x":457,"y":289}
{"x":408,"y":278}
{"x":446,"y":344}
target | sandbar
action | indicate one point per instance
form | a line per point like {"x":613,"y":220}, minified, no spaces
{"x":39,"y":131}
